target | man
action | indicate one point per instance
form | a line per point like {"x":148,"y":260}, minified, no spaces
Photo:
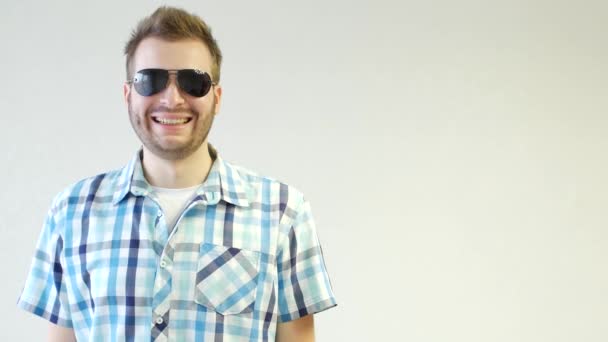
{"x":179,"y":245}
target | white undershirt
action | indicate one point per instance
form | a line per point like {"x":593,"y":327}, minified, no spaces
{"x":173,"y":202}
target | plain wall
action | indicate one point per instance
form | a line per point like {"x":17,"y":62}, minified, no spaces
{"x":454,"y":152}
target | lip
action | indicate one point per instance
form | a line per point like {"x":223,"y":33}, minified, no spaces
{"x":157,"y":118}
{"x":171,"y":116}
{"x":170,"y":127}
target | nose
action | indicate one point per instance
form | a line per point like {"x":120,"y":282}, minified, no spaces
{"x":172,"y":95}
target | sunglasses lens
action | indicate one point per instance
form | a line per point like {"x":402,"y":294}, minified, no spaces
{"x":193,"y":82}
{"x":148,"y":82}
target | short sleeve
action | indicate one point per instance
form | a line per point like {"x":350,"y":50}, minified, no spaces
{"x":304,"y":285}
{"x":44,"y":293}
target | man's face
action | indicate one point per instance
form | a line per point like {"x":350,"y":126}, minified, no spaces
{"x":153,"y":117}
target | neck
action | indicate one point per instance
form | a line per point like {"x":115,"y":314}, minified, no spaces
{"x":176,"y":174}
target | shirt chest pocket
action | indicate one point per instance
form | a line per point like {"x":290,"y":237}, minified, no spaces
{"x":226,"y":279}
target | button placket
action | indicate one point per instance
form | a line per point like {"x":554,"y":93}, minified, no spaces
{"x":160,"y":326}
{"x":162,"y":281}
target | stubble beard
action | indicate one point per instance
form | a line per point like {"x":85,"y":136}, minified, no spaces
{"x":200,"y":131}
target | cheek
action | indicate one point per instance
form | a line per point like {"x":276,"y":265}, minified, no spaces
{"x":206,"y":107}
{"x":139,"y":106}
{"x":137,"y":112}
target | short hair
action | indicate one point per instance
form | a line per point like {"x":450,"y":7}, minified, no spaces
{"x":172,"y":24}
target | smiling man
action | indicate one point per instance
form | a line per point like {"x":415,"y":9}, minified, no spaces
{"x":179,"y":245}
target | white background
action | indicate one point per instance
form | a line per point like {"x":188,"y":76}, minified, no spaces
{"x":454,"y":152}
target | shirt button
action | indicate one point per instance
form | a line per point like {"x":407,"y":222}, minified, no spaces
{"x":159,"y":320}
{"x":163,"y":263}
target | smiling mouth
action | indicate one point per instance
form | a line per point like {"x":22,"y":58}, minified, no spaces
{"x":165,"y":121}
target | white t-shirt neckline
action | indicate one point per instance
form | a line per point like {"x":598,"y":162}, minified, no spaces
{"x":173,"y":202}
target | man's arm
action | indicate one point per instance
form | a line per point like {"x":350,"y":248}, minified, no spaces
{"x":298,"y":330}
{"x":58,"y":333}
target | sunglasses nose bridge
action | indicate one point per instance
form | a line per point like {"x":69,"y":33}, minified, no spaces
{"x":172,"y":78}
{"x":172,"y":92}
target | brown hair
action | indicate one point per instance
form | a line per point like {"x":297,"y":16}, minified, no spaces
{"x":170,"y":23}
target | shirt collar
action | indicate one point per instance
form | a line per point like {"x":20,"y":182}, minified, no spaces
{"x":224,"y":182}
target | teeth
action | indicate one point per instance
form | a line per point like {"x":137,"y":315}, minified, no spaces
{"x":171,"y":121}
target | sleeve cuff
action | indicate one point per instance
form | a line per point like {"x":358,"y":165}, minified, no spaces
{"x":41,"y":312}
{"x":315,"y":307}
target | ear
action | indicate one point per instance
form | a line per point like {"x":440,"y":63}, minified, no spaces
{"x":126,"y":91}
{"x":217,"y":93}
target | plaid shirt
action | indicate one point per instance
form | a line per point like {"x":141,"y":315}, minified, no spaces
{"x":243,"y":256}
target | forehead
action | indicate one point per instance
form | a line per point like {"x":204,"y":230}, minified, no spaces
{"x":154,"y":52}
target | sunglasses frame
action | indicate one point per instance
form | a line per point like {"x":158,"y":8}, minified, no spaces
{"x":175,"y":72}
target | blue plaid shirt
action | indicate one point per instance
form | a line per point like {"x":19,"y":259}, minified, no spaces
{"x":243,"y":256}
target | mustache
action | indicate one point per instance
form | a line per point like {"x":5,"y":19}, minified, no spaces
{"x":177,"y":110}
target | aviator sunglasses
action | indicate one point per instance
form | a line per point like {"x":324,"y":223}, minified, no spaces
{"x":194,"y":82}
